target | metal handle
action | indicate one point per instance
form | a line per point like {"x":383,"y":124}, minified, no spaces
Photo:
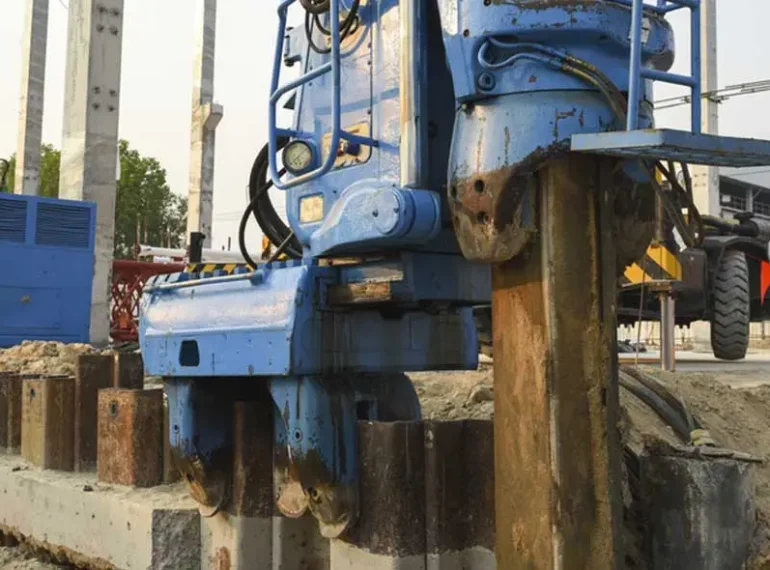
{"x":256,"y":276}
{"x":277,"y":92}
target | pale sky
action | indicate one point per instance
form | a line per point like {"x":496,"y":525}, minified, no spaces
{"x":156,"y":88}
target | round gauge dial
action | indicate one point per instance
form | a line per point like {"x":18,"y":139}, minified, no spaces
{"x":298,"y":157}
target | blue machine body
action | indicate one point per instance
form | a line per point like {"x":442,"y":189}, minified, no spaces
{"x":426,"y":124}
{"x":47,"y":255}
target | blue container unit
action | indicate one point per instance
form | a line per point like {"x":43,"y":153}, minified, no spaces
{"x":47,"y":261}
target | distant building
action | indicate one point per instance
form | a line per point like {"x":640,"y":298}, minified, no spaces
{"x":745,"y":190}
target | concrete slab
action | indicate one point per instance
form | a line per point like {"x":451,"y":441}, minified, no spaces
{"x":108,"y":526}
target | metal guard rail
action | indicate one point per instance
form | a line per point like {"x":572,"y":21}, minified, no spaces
{"x":276,"y":92}
{"x":637,"y":73}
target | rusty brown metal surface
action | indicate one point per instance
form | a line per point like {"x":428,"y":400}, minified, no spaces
{"x":48,"y":422}
{"x":93,"y":373}
{"x":492,"y":211}
{"x":130,"y":440}
{"x":557,"y":449}
{"x":252,"y":485}
{"x":128,"y":371}
{"x":360,"y":293}
{"x":392,"y":486}
{"x":459,"y":486}
{"x":10,"y":412}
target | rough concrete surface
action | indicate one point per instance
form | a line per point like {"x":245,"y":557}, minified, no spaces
{"x":116,"y":527}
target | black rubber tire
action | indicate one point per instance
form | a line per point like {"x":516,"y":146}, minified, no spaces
{"x":731,"y":307}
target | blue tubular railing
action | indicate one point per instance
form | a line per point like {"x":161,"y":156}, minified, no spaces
{"x":276,"y":92}
{"x":637,"y":73}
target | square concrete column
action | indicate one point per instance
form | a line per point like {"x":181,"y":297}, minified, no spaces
{"x":205,"y":119}
{"x":32,"y":97}
{"x":90,"y":133}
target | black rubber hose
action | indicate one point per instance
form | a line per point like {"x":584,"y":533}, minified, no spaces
{"x":658,"y":405}
{"x":316,"y":6}
{"x":662,"y":391}
{"x":261,"y":206}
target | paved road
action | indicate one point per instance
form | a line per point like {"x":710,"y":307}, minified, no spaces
{"x":754,"y":370}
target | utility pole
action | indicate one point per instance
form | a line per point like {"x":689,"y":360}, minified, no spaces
{"x":34,"y":47}
{"x":206,"y":116}
{"x":706,"y":178}
{"x":90,"y":134}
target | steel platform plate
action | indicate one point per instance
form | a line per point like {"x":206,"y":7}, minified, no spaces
{"x":679,"y":146}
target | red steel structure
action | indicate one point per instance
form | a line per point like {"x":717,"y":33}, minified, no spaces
{"x":128,"y":279}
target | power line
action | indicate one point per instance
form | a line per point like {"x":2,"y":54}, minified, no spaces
{"x":718,"y":96}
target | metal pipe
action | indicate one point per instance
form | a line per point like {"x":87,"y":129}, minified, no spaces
{"x":696,"y":71}
{"x":635,"y":67}
{"x":667,"y":330}
{"x":209,"y":255}
{"x":412,"y":145}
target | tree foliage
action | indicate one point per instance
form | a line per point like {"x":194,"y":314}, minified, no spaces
{"x":50,"y":159}
{"x":146,"y":212}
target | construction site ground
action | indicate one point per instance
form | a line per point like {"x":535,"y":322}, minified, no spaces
{"x":731,"y":399}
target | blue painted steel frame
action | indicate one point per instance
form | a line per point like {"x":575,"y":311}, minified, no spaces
{"x":278,"y":91}
{"x":637,"y":73}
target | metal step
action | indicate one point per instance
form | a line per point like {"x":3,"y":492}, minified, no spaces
{"x":679,"y":146}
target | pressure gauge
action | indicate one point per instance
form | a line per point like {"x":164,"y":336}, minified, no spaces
{"x":298,"y":157}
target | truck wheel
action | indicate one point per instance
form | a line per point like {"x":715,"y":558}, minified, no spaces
{"x":731,"y":307}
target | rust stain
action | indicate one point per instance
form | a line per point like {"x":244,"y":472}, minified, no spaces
{"x":507,"y":145}
{"x":489,"y":208}
{"x":222,"y":559}
{"x":560,"y":116}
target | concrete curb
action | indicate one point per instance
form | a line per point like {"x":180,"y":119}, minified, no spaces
{"x":103,"y":526}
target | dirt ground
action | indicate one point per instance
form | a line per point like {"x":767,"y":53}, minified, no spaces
{"x":48,"y":358}
{"x":737,"y":418}
{"x":18,"y":559}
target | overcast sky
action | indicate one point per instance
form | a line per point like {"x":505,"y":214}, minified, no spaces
{"x":156,"y":89}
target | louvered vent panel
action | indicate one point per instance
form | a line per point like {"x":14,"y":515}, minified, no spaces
{"x":13,"y":220}
{"x":63,"y":226}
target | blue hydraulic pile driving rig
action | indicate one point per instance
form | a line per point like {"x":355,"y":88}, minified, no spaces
{"x":432,"y":140}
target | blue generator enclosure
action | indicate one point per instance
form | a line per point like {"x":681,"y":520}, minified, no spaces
{"x":46,"y":269}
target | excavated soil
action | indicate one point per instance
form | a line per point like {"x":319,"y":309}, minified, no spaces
{"x":42,"y":357}
{"x":737,"y":417}
{"x":19,"y":559}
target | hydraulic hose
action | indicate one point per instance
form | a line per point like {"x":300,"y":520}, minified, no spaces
{"x":261,"y":206}
{"x":316,"y":6}
{"x":658,"y":405}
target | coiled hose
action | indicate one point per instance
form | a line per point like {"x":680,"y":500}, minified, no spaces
{"x":261,"y":206}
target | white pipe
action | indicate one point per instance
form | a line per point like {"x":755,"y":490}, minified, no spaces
{"x":208,"y":255}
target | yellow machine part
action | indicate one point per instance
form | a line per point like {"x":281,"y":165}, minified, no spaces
{"x":658,"y":264}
